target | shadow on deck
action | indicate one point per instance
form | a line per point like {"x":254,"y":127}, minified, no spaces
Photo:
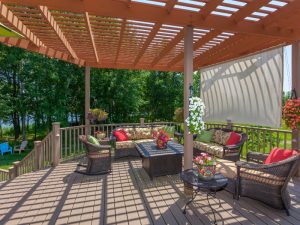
{"x":126,"y":196}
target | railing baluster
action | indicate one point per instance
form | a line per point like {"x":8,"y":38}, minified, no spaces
{"x":258,"y":140}
{"x":284,"y":140}
{"x":271,"y":140}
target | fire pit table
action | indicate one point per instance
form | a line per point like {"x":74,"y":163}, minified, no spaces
{"x":161,"y":162}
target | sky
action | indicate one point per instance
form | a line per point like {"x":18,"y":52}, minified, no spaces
{"x":287,"y":82}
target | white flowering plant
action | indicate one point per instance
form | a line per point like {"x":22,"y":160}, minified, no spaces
{"x":196,"y":112}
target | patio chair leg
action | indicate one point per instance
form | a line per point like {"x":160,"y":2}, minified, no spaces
{"x":287,"y":212}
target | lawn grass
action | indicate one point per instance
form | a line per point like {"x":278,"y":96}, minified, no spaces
{"x":7,"y":159}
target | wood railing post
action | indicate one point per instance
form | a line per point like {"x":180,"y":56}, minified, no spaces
{"x":142,"y":122}
{"x":229,"y":124}
{"x":38,"y":155}
{"x":11,"y":173}
{"x":16,"y":169}
{"x":56,"y":143}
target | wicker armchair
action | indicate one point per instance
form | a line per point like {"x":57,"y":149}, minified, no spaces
{"x":98,"y":158}
{"x":266,"y":182}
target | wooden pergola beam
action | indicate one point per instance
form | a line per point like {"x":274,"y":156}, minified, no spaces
{"x":154,"y":14}
{"x":50,"y":52}
{"x":50,"y":19}
{"x":209,"y":7}
{"x":247,"y":10}
{"x":196,"y":46}
{"x":169,"y":47}
{"x":18,"y":25}
{"x":238,"y":52}
{"x":236,"y":18}
{"x":146,"y":44}
{"x":91,"y":35}
{"x":120,"y":41}
{"x":234,"y":48}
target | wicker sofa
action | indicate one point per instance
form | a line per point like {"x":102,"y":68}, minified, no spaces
{"x":218,"y":145}
{"x":266,"y":182}
{"x":136,"y":134}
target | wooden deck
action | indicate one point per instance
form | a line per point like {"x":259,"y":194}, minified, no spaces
{"x":126,"y":196}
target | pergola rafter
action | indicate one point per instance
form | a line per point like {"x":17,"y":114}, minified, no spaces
{"x":149,"y":35}
{"x":120,"y":40}
{"x":18,"y":25}
{"x":169,"y":47}
{"x":50,"y":19}
{"x":146,"y":44}
{"x":91,"y":35}
{"x":154,"y":14}
{"x":196,"y":46}
{"x":209,"y":7}
{"x":235,"y":18}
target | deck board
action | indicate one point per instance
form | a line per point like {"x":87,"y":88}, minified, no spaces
{"x":126,"y":196}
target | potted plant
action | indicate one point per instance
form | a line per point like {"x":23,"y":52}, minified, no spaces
{"x":291,"y":113}
{"x":206,"y":166}
{"x":97,"y":115}
{"x":195,"y":121}
{"x":162,"y":139}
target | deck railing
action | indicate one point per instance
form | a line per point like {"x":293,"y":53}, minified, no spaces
{"x":72,"y":148}
{"x":63,"y":144}
{"x":39,"y":158}
{"x":4,"y":175}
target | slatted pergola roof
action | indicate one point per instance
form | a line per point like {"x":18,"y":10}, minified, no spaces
{"x":148,"y":34}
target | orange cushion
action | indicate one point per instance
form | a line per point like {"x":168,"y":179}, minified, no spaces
{"x":279,"y":154}
{"x":120,"y":135}
{"x":233,"y":139}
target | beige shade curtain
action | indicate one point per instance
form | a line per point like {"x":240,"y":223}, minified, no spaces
{"x":247,"y":90}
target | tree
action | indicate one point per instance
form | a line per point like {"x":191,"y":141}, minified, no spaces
{"x":164,"y":93}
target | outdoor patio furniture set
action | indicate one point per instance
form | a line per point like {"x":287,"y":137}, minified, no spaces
{"x":264,"y":182}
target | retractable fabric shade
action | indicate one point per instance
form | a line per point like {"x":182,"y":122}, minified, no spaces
{"x":247,"y":90}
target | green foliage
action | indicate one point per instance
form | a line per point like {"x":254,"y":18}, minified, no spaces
{"x":164,"y":92}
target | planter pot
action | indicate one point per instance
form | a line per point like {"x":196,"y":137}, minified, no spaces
{"x":206,"y":172}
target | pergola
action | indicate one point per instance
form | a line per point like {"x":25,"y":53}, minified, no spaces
{"x":165,"y":35}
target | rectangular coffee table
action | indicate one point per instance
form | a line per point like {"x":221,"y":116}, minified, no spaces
{"x":161,"y":162}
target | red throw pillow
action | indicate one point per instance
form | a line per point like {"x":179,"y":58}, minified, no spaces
{"x":120,"y":135}
{"x":279,"y":154}
{"x":233,"y":139}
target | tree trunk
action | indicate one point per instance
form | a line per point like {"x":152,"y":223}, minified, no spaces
{"x":16,"y":124}
{"x":1,"y":131}
{"x":24,"y":126}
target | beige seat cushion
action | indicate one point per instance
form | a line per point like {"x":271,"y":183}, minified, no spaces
{"x":262,"y":177}
{"x":125,"y":144}
{"x":221,"y":137}
{"x":211,"y":148}
{"x":227,"y":168}
{"x":143,"y":133}
{"x":130,"y":132}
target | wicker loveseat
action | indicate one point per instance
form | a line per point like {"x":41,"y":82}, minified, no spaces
{"x":266,"y":182}
{"x":136,"y":134}
{"x":217,"y":146}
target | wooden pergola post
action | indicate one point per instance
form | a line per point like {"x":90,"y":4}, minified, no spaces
{"x":87,"y":98}
{"x":296,"y":86}
{"x":188,"y":80}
